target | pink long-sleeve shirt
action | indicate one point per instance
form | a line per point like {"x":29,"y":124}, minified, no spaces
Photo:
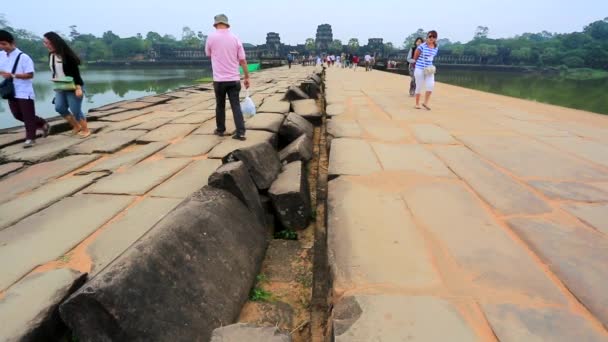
{"x":226,"y":51}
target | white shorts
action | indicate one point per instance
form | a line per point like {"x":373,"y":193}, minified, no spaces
{"x":421,"y":79}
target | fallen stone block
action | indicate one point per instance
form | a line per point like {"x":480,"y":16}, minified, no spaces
{"x":316,"y":78}
{"x":294,"y":126}
{"x":300,"y":149}
{"x":295,"y":93}
{"x":250,"y":333}
{"x":29,"y":309}
{"x":290,"y":197}
{"x":265,"y":122}
{"x":309,"y":109}
{"x":271,"y":105}
{"x":187,"y":276}
{"x":261,"y":160}
{"x":234,"y":178}
{"x":311,"y":88}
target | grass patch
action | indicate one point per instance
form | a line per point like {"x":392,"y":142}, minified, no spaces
{"x":257,"y":293}
{"x":581,"y":74}
{"x":207,"y":79}
{"x":286,"y":234}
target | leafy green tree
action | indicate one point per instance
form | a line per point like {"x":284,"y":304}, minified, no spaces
{"x":336,"y":46}
{"x":481,"y":32}
{"x":409,"y":41}
{"x":353,"y":45}
{"x":310,"y":45}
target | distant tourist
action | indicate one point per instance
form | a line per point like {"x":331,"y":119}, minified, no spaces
{"x":339,"y":60}
{"x":372,"y":62}
{"x":289,"y":60}
{"x":425,"y":70}
{"x":356,"y":62}
{"x":343,"y":60}
{"x":412,"y":64}
{"x":350,"y":60}
{"x":16,"y":65}
{"x":368,"y":60}
{"x":64,"y":64}
{"x":319,"y":61}
{"x":227,"y":52}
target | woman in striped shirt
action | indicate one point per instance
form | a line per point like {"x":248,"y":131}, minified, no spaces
{"x":425,"y":70}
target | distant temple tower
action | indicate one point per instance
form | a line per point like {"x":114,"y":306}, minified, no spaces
{"x":273,"y":44}
{"x":324,"y":37}
{"x":375,"y":46}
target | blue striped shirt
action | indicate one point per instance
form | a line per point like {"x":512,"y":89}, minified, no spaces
{"x":427,"y":54}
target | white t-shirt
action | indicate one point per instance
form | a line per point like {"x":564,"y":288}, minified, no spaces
{"x":24,"y":89}
{"x":368,"y":58}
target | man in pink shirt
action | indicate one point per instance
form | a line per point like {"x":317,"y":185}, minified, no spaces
{"x":227,"y":53}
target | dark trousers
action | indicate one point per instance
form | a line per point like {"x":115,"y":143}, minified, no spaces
{"x":232,"y":89}
{"x":25,"y":111}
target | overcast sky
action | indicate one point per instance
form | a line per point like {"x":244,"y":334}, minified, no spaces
{"x":297,"y":20}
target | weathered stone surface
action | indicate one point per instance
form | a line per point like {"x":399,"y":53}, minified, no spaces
{"x":352,"y":157}
{"x":45,"y":149}
{"x":512,"y":323}
{"x":189,"y":180}
{"x":124,"y":232}
{"x":168,"y":132}
{"x":250,"y":333}
{"x":343,"y":129}
{"x":127,"y":159}
{"x":6,"y":169}
{"x":335,"y":109}
{"x":294,"y":126}
{"x":531,"y":129}
{"x":300,"y":149}
{"x":229,"y":145}
{"x":384,"y":130}
{"x":209,"y":127}
{"x":528,"y":158}
{"x":274,"y":106}
{"x":410,"y":158}
{"x":11,"y":138}
{"x":308,"y":109}
{"x":39,"y":174}
{"x":234,"y":178}
{"x":591,"y":150}
{"x":192,"y":146}
{"x":291,"y":198}
{"x":367,"y":228}
{"x":577,"y":255}
{"x":47,"y":235}
{"x":154,"y":99}
{"x":106,"y":143}
{"x":432,"y":134}
{"x":28,"y":310}
{"x":196,"y":118}
{"x":151,"y":124}
{"x":501,"y":191}
{"x":138,"y":179}
{"x":266,"y":122}
{"x":125,"y":115}
{"x":398,"y":318}
{"x":593,"y":215}
{"x":135,"y":105}
{"x":13,"y":211}
{"x":186,"y":282}
{"x":261,"y":160}
{"x":311,"y":89}
{"x":295,"y":93}
{"x":480,"y":246}
{"x":572,"y":191}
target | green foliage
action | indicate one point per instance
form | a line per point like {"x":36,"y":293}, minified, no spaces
{"x":409,"y":41}
{"x":286,"y":235}
{"x":336,"y":46}
{"x":353,"y":45}
{"x":310,"y":45}
{"x":257,"y":293}
{"x":573,"y":62}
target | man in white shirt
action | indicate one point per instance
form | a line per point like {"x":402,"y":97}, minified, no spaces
{"x":19,"y":67}
{"x":368,"y":60}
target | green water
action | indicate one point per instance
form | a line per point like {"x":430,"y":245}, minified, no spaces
{"x":590,"y":95}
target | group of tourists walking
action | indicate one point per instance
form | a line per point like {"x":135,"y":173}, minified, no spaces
{"x":17,"y":71}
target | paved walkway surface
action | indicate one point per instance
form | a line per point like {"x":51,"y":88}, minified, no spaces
{"x":77,"y":204}
{"x":483,"y":219}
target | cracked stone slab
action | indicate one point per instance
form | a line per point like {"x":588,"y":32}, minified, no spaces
{"x":151,"y":124}
{"x":384,"y":130}
{"x":411,"y":158}
{"x":196,"y":118}
{"x":432,"y":134}
{"x":168,"y":132}
{"x":271,"y":105}
{"x":593,"y":151}
{"x":571,"y":191}
{"x":106,"y":143}
{"x":309,"y":109}
{"x":266,"y":122}
{"x":140,"y":178}
{"x":47,"y":235}
{"x":11,"y":138}
{"x":250,"y":333}
{"x":209,"y":127}
{"x":6,"y":169}
{"x":229,"y":145}
{"x":125,"y":115}
{"x":127,"y":159}
{"x":344,"y":129}
{"x":45,"y":149}
{"x":335,"y":109}
{"x":189,"y":180}
{"x":595,"y":215}
{"x":192,"y":146}
{"x":352,"y":157}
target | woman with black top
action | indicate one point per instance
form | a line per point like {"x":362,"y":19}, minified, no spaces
{"x":412,"y":64}
{"x":64,"y":62}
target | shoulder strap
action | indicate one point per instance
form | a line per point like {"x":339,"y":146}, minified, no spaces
{"x":53,"y":64}
{"x":16,"y":62}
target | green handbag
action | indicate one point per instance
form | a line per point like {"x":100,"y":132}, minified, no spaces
{"x":64,"y":83}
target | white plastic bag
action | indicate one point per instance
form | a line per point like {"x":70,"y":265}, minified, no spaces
{"x":247,"y":106}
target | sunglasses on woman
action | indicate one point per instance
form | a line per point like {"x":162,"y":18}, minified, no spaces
{"x":432,"y":36}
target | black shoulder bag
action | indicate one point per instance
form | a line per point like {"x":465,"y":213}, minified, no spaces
{"x":7,"y":87}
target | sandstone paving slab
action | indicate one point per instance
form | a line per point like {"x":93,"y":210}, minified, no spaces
{"x":126,"y":230}
{"x":335,"y":109}
{"x":352,"y":157}
{"x":127,"y":159}
{"x":154,"y":99}
{"x":189,"y":180}
{"x":125,"y":115}
{"x":8,"y":168}
{"x":499,"y":190}
{"x":266,"y":122}
{"x":140,"y":178}
{"x":363,"y":318}
{"x":384,"y":130}
{"x":133,"y":105}
{"x":478,"y":244}
{"x":151,"y":124}
{"x":249,"y":333}
{"x":13,"y":211}
{"x":121,"y":125}
{"x":168,"y":132}
{"x":274,"y":106}
{"x":432,"y":134}
{"x":593,"y":151}
{"x":410,"y":158}
{"x":595,"y":215}
{"x":39,"y":174}
{"x":45,"y":149}
{"x":107,"y":142}
{"x":582,"y":130}
{"x":532,"y":129}
{"x":209,"y":127}
{"x":367,"y":228}
{"x":512,"y":323}
{"x":229,"y":145}
{"x":578,"y":256}
{"x":196,"y":118}
{"x":11,"y":138}
{"x":344,"y":129}
{"x":47,"y":235}
{"x":528,"y":158}
{"x":192,"y":146}
{"x":27,"y":309}
{"x":571,"y":191}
